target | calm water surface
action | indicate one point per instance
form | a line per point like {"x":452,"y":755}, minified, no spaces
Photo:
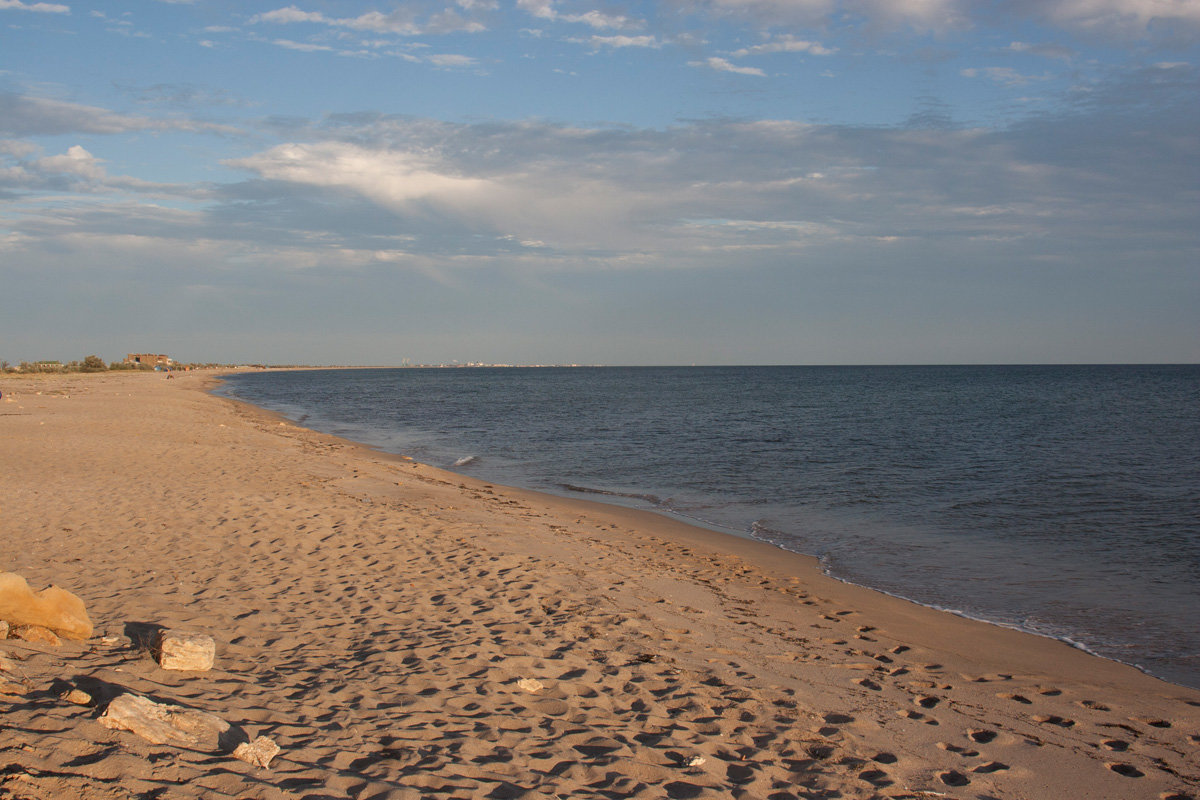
{"x":1060,"y":500}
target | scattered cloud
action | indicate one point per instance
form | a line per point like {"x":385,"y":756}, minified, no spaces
{"x":597,"y":42}
{"x":402,"y":21}
{"x":22,"y":115}
{"x":785,"y":44}
{"x":1046,"y":50}
{"x":181,"y":95}
{"x":1006,"y":76}
{"x":304,"y":47}
{"x":1122,"y":18}
{"x":548,"y":10}
{"x":76,"y":171}
{"x":1116,"y":17}
{"x":723,"y":65}
{"x":451,"y":60}
{"x":42,"y":8}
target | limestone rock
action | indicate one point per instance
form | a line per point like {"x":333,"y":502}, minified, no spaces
{"x":52,"y":607}
{"x":259,"y":752}
{"x":161,"y":723}
{"x":3,"y":629}
{"x":12,"y":687}
{"x":531,"y":685}
{"x":36,"y":634}
{"x":185,"y":651}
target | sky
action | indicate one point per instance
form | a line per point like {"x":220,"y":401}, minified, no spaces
{"x":578,"y":181}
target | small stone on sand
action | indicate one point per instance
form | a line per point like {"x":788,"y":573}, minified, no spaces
{"x":77,"y":696}
{"x":259,"y":752}
{"x":36,"y":634}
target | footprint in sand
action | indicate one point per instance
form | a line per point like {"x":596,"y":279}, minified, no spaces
{"x":1154,"y":723}
{"x":1054,"y":719}
{"x":953,"y":778}
{"x":981,"y":736}
{"x":1016,"y":698}
{"x":1128,"y":770}
{"x":876,"y":777}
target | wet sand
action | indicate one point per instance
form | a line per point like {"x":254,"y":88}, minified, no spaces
{"x":403,"y":632}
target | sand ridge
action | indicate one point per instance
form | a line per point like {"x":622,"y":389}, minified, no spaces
{"x":401,"y":632}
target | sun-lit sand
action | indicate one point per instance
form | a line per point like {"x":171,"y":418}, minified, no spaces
{"x":401,"y":631}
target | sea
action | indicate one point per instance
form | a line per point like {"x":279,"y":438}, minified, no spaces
{"x":1059,"y":500}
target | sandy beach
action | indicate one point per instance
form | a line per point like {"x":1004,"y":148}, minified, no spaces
{"x":400,"y":631}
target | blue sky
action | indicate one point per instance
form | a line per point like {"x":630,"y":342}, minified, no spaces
{"x":553,"y":181}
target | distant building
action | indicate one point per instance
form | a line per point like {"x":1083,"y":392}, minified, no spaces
{"x":156,"y":360}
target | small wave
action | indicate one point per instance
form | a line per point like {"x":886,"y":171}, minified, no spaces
{"x":649,"y":498}
{"x":462,"y":462}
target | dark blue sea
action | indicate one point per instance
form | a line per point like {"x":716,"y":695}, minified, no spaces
{"x":1061,"y":500}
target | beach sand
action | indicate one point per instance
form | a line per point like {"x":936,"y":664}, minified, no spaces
{"x":401,"y":632}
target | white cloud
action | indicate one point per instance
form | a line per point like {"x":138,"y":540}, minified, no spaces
{"x":723,"y":65}
{"x":785,"y":44}
{"x":291,"y":14}
{"x":43,"y":8}
{"x":390,"y":177}
{"x":545,"y":9}
{"x":621,"y":41}
{"x":304,"y":47}
{"x":447,"y":60}
{"x":76,"y":161}
{"x":402,"y":21}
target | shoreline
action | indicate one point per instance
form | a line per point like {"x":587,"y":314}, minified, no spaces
{"x":653,"y":505}
{"x":377,"y":616}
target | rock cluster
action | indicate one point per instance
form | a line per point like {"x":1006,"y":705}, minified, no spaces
{"x":43,"y":617}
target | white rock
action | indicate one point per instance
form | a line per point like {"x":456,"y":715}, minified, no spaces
{"x":165,"y":724}
{"x":531,"y":685}
{"x":185,"y":651}
{"x":259,"y":752}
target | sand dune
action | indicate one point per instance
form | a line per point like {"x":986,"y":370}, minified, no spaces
{"x":405,"y":632}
